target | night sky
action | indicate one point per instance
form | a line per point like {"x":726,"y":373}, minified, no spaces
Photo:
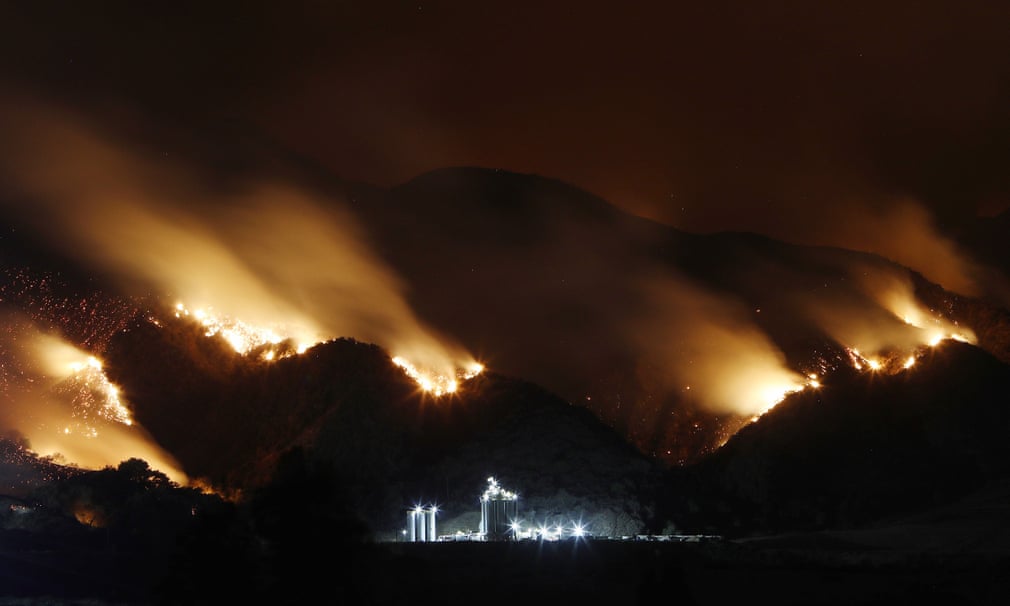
{"x":804,"y":121}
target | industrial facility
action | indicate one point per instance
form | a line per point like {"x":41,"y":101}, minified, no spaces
{"x":499,"y":521}
{"x":421,"y":524}
{"x":499,"y":512}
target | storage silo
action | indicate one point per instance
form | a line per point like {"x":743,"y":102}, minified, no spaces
{"x":499,"y":509}
{"x":421,"y":524}
{"x":429,"y":515}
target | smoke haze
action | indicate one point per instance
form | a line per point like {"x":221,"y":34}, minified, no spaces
{"x":56,"y":396}
{"x":269,"y":254}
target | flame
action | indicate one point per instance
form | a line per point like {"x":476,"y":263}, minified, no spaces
{"x":934,"y":330}
{"x":438,"y":383}
{"x":92,"y":375}
{"x":268,"y":248}
{"x":243,"y":336}
{"x":929,"y":329}
{"x":83,"y":374}
{"x":895,"y":293}
{"x":772,"y":396}
{"x":60,"y":398}
{"x":895,"y":342}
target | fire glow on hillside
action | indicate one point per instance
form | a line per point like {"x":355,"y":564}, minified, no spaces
{"x":81,"y":376}
{"x":270,"y":266}
{"x":435,"y":383}
{"x":242,"y":336}
{"x":930,"y":331}
{"x":92,"y":377}
{"x":59,"y":397}
{"x":269,"y":344}
{"x":298,"y":268}
{"x":902,"y":354}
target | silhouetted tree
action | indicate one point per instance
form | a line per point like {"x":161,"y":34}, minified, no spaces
{"x":313,"y":542}
{"x":216,"y":560}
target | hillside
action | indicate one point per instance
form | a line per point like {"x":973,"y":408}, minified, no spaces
{"x":610,"y":311}
{"x":228,"y":419}
{"x":861,"y":451}
{"x":581,"y":411}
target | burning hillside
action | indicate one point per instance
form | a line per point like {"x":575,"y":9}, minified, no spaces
{"x":675,"y":339}
{"x":872,"y":446}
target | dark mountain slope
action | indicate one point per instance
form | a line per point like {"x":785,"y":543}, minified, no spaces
{"x":863,"y":449}
{"x":229,"y":418}
{"x":550,"y":283}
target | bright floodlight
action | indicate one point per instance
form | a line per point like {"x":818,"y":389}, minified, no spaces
{"x":578,"y":530}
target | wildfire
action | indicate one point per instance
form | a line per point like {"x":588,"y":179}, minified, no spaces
{"x":438,"y":384}
{"x":270,"y":344}
{"x":773,"y":395}
{"x":934,"y":328}
{"x":242,"y":336}
{"x":82,"y":381}
{"x":91,"y":376}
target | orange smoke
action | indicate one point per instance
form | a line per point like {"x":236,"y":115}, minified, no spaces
{"x":267,"y":256}
{"x":881,"y":323}
{"x":903,"y":231}
{"x":707,"y":347}
{"x":59,"y":398}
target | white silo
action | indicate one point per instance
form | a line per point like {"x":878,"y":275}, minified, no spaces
{"x":429,"y":515}
{"x":421,"y":524}
{"x":499,"y":509}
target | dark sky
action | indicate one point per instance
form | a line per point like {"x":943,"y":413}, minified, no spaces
{"x":787,"y":118}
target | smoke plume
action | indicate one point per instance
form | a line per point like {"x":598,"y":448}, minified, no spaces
{"x":709,"y":352}
{"x":270,"y":254}
{"x":265,"y":255}
{"x":59,"y":399}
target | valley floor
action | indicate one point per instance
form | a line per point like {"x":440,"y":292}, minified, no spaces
{"x":728,"y":572}
{"x":801,"y":570}
{"x":959,"y":554}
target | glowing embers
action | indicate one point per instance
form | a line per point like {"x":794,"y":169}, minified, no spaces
{"x":438,"y":384}
{"x":936,"y":335}
{"x":929,"y":331}
{"x":890,"y":362}
{"x":93,"y":394}
{"x":934,"y":329}
{"x":244,"y":338}
{"x":77,"y":379}
{"x":270,"y":344}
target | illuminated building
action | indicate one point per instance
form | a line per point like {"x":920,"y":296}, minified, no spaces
{"x":421,"y":524}
{"x":499,"y":512}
